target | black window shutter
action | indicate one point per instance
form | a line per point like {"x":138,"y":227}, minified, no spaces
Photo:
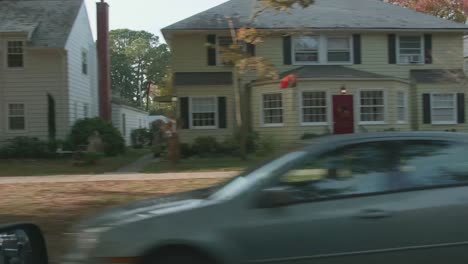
{"x":250,"y":49}
{"x":427,"y":109}
{"x":428,"y":49}
{"x":461,"y":108}
{"x":184,"y":112}
{"x":211,"y":50}
{"x":222,"y":117}
{"x":287,"y":50}
{"x":357,"y":48}
{"x":391,"y":49}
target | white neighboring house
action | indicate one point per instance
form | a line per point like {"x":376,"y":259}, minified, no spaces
{"x":47,"y":51}
{"x":127,"y":119}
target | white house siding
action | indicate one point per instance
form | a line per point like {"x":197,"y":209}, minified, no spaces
{"x":43,"y":73}
{"x":134,"y":119}
{"x":82,"y":87}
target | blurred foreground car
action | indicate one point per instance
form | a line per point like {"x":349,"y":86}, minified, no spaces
{"x":373,"y":198}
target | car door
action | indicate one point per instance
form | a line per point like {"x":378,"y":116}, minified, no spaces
{"x":341,"y":216}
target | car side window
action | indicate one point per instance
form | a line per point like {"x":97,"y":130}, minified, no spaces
{"x":424,"y":164}
{"x":353,"y":170}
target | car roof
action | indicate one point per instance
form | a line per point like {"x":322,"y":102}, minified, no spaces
{"x":382,"y":136}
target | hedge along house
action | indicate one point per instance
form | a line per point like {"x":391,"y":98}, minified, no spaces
{"x":362,"y":65}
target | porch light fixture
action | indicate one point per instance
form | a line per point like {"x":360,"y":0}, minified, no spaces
{"x":343,"y":90}
{"x":174,"y":99}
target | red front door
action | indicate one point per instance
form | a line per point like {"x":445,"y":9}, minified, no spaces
{"x":343,"y":114}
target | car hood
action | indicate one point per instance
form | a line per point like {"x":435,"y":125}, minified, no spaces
{"x":148,"y":208}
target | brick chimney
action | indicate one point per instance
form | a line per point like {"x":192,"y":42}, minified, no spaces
{"x":103,"y":61}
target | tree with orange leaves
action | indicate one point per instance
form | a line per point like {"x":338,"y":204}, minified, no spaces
{"x":456,"y":10}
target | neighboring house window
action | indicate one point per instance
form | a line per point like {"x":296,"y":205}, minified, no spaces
{"x":15,"y":57}
{"x":16,"y":117}
{"x":224,"y":44}
{"x":75,"y":111}
{"x":203,"y":112}
{"x":410,"y":50}
{"x":372,"y":106}
{"x":84,"y":62}
{"x":444,"y":107}
{"x":86,"y":110}
{"x":402,"y":112}
{"x":339,"y":49}
{"x":124,"y":125}
{"x":306,"y":49}
{"x":272,"y":109}
{"x":314,"y":107}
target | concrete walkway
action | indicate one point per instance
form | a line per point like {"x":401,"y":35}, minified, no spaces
{"x":118,"y":177}
{"x":138,"y":165}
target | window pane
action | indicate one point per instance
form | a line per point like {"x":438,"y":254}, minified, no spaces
{"x":443,"y":100}
{"x":372,"y":106}
{"x":15,"y":60}
{"x":307,"y":57}
{"x":338,"y":44}
{"x":339,"y":56}
{"x":16,"y":123}
{"x":15,"y":54}
{"x":314,"y":107}
{"x":204,"y":112}
{"x":358,"y":169}
{"x":272,"y":109}
{"x":429,"y":163}
{"x":307,"y":43}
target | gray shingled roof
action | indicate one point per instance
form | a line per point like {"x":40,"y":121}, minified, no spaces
{"x":332,"y":71}
{"x":324,"y":14}
{"x":439,"y":76}
{"x":48,"y":23}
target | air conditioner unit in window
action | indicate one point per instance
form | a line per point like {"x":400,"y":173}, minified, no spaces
{"x":412,"y":59}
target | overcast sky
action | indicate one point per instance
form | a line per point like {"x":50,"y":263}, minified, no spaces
{"x":149,"y":15}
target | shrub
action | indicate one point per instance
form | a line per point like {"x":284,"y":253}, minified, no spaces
{"x":113,"y":141}
{"x":205,"y":146}
{"x":186,"y":150}
{"x":140,"y":137}
{"x":26,"y":148}
{"x":265,"y":146}
{"x":309,"y":136}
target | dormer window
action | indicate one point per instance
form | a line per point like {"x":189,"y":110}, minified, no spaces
{"x":410,"y":50}
{"x":15,"y":54}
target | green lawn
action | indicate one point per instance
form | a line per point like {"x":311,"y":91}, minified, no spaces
{"x":67,"y":166}
{"x":197,"y":164}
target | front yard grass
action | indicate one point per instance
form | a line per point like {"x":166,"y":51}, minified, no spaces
{"x":56,"y":207}
{"x":63,"y":166}
{"x":199,"y":164}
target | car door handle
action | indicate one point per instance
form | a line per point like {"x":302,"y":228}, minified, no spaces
{"x":373,"y":214}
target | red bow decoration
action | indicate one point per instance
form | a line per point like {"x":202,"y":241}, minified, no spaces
{"x":289,"y":81}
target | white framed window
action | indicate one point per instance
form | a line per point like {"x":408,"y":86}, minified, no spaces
{"x":322,"y":49}
{"x":410,"y":49}
{"x":84,"y":62}
{"x":372,"y":106}
{"x":402,"y":107}
{"x":314,"y":108}
{"x":306,"y":49}
{"x":444,"y":108}
{"x":16,"y":117}
{"x":272,"y":109}
{"x":339,"y":49}
{"x":203,"y":112}
{"x":15,"y":54}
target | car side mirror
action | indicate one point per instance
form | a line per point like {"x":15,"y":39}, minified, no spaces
{"x":22,"y":243}
{"x":276,"y":197}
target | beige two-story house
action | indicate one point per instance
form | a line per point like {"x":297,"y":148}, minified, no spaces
{"x":362,"y":66}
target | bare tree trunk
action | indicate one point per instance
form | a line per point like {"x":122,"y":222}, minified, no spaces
{"x":241,"y":125}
